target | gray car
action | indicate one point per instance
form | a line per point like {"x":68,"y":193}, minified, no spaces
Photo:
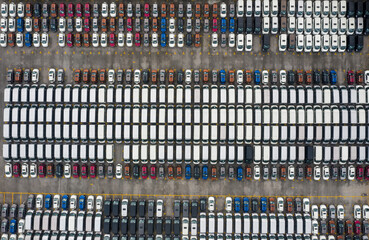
{"x":180,"y":10}
{"x":138,"y":25}
{"x":13,"y":211}
{"x":197,"y":25}
{"x":343,"y":173}
{"x":177,"y":208}
{"x":31,"y":201}
{"x":4,"y":225}
{"x":150,"y":208}
{"x":121,"y":24}
{"x":162,"y":76}
{"x":223,"y":40}
{"x":298,"y":204}
{"x":265,"y":173}
{"x":161,"y":172}
{"x":214,"y":74}
{"x":120,"y":76}
{"x":70,"y":24}
{"x":110,"y":171}
{"x":138,"y":10}
{"x":222,"y":172}
{"x":27,"y":75}
{"x":128,"y":75}
{"x":146,"y":25}
{"x":101,"y":171}
{"x":10,"y":76}
{"x":274,"y":173}
{"x":196,"y":76}
{"x":332,"y":211}
{"x":95,"y":11}
{"x":231,"y":10}
{"x":185,"y":208}
{"x":146,"y":41}
{"x":231,"y":173}
{"x":206,"y":25}
{"x":5,"y":210}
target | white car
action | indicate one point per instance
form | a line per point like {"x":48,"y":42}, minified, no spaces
{"x":351,"y":173}
{"x":52,"y":74}
{"x":291,"y":173}
{"x":317,"y":43}
{"x":45,"y":39}
{"x":79,"y":24}
{"x":366,"y":76}
{"x":326,"y":43}
{"x":323,"y":211}
{"x":3,"y":40}
{"x":12,"y":10}
{"x":56,"y":201}
{"x":172,"y":40}
{"x":314,"y":212}
{"x":314,"y":227}
{"x":180,"y":40}
{"x":326,"y":173}
{"x":211,"y":204}
{"x":366,"y":212}
{"x":19,"y":39}
{"x":104,"y":40}
{"x":90,"y":202}
{"x":36,"y":40}
{"x":124,"y":208}
{"x":266,"y":25}
{"x":62,"y":24}
{"x":61,"y":40}
{"x":239,"y":76}
{"x":228,"y":204}
{"x":33,"y":170}
{"x":130,"y":9}
{"x":340,"y":212}
{"x":73,"y":202}
{"x":118,"y":167}
{"x":111,"y":79}
{"x":99,"y":203}
{"x":257,"y":172}
{"x":223,"y":10}
{"x":67,"y":171}
{"x":35,"y":75}
{"x":25,"y":172}
{"x":28,"y":25}
{"x":8,"y":170}
{"x":240,"y":8}
{"x":4,"y":9}
{"x":214,"y":40}
{"x":231,"y":40}
{"x":120,"y":39}
{"x":129,"y":39}
{"x":20,"y":10}
{"x":172,"y":25}
{"x":39,"y":201}
{"x":188,"y":76}
{"x":282,"y":42}
{"x":113,"y":10}
{"x":159,"y":208}
{"x":21,"y":226}
{"x":280,"y":204}
{"x":240,"y":42}
{"x":283,"y":76}
{"x":357,"y":212}
{"x":104,"y":9}
{"x":4,"y":24}
{"x":248,"y":42}
{"x":137,"y":76}
{"x":95,"y":39}
{"x":317,"y":173}
{"x":308,"y":45}
{"x":11,"y":25}
{"x":306,"y":205}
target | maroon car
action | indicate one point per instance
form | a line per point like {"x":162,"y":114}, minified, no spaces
{"x":153,"y":172}
{"x":16,"y":170}
{"x":359,"y":173}
{"x":144,"y":171}
{"x":75,"y":170}
{"x":79,"y":10}
{"x":92,"y":171}
{"x":84,"y":171}
{"x":350,"y":77}
{"x":42,"y":170}
{"x":87,"y":10}
{"x":357,"y":227}
{"x":367,"y":173}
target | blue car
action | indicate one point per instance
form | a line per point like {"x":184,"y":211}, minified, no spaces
{"x":237,"y":204}
{"x":239,"y":173}
{"x":231,"y":25}
{"x":163,"y":40}
{"x":28,"y":39}
{"x":82,"y":201}
{"x":257,"y":76}
{"x":48,"y":201}
{"x":223,"y":25}
{"x":246,"y":203}
{"x":65,"y":202}
{"x":333,"y":77}
{"x":263,"y":205}
{"x":205,"y":172}
{"x":163,"y":25}
{"x":13,"y":226}
{"x":188,"y":173}
{"x":20,"y":25}
{"x":222,"y":76}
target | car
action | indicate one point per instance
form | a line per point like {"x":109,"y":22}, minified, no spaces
{"x":44,"y":40}
{"x":239,"y":173}
{"x":257,"y":76}
{"x":256,"y":172}
{"x":153,"y":172}
{"x":280,"y":204}
{"x":357,"y":212}
{"x":204,"y":172}
{"x":188,"y":172}
{"x":306,"y":205}
{"x":350,"y":77}
{"x":228,"y":204}
{"x":82,"y":202}
{"x":8,"y":170}
{"x":263,"y":204}
{"x":351,"y":173}
{"x":61,"y":40}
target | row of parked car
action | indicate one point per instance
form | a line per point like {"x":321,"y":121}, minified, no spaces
{"x":204,"y":172}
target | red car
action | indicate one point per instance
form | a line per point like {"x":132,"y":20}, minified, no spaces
{"x":359,"y":173}
{"x":129,"y":24}
{"x":92,"y":171}
{"x":112,"y":40}
{"x":367,"y":173}
{"x":86,"y":24}
{"x":350,"y":77}
{"x":70,"y":40}
{"x":42,"y":170}
{"x":137,"y":39}
{"x":70,"y":10}
{"x":87,"y":10}
{"x":79,"y":10}
{"x":144,"y":171}
{"x":75,"y":171}
{"x":16,"y":170}
{"x":61,"y":10}
{"x":147,"y":10}
{"x":357,"y":227}
{"x":153,"y":172}
{"x":215,"y":25}
{"x":84,"y":171}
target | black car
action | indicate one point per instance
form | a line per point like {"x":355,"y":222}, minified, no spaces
{"x":141,"y":208}
{"x":59,"y":170}
{"x":124,"y":226}
{"x":53,"y":25}
{"x":202,"y":204}
{"x":115,"y":225}
{"x":254,"y":205}
{"x":107,"y":207}
{"x":176,"y":226}
{"x":132,"y":208}
{"x":188,"y":39}
{"x":248,"y":154}
{"x":194,"y":208}
{"x":180,"y":24}
{"x":115,"y":208}
{"x":291,"y":77}
{"x":196,"y":172}
{"x":37,"y":10}
{"x":168,"y":226}
{"x":325,"y":77}
{"x":180,"y":77}
{"x":136,"y":171}
{"x":159,"y":226}
{"x":150,"y":226}
{"x":316,"y":77}
{"x":340,"y":227}
{"x":177,"y":208}
{"x":145,"y":76}
{"x":132,"y":226}
{"x":334,"y":173}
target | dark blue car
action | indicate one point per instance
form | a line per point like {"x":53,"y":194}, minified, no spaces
{"x":237,"y":204}
{"x":163,"y":40}
{"x":81,"y":202}
{"x":20,"y":25}
{"x":188,"y":172}
{"x":223,"y":25}
{"x":48,"y":201}
{"x":257,"y":76}
{"x":263,"y":205}
{"x":163,"y":25}
{"x":65,"y":202}
{"x":246,"y":203}
{"x":239,"y":173}
{"x":13,"y":226}
{"x":28,"y":39}
{"x":205,"y":172}
{"x":222,"y":74}
{"x":333,"y":77}
{"x":231,"y":25}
